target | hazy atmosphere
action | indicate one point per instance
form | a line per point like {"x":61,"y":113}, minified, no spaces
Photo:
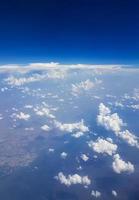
{"x":69,"y":100}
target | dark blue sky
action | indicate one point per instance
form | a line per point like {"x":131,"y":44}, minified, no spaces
{"x":69,"y":31}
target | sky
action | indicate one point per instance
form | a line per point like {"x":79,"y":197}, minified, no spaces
{"x":69,"y":31}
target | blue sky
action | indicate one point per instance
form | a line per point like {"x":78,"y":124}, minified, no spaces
{"x":81,"y":31}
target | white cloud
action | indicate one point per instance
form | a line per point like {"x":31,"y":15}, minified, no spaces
{"x":96,"y":193}
{"x":84,"y":86}
{"x":103,"y":146}
{"x":114,"y":193}
{"x":84,"y":157}
{"x":63,"y":155}
{"x":45,"y":127}
{"x":73,"y":179}
{"x":29,"y":129}
{"x":11,"y":80}
{"x":72,"y":127}
{"x":21,"y":115}
{"x":4,"y":89}
{"x":135,"y":107}
{"x":130,"y":138}
{"x":120,"y":165}
{"x":55,"y":65}
{"x":57,"y":74}
{"x":1,"y":117}
{"x":78,"y":134}
{"x":42,"y":65}
{"x":44,"y":111}
{"x":28,"y":106}
{"x":114,"y":123}
{"x":108,"y":120}
{"x":51,"y":150}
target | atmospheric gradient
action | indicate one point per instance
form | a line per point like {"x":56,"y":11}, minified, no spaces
{"x":69,"y":132}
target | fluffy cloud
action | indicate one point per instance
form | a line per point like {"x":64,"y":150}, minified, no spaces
{"x":73,"y":179}
{"x":51,"y":150}
{"x":114,"y":123}
{"x":96,"y":193}
{"x":130,"y":138}
{"x":44,"y":111}
{"x":84,"y":86}
{"x":108,"y":120}
{"x":78,"y":134}
{"x":45,"y":127}
{"x":135,"y":107}
{"x":57,"y":74}
{"x":72,"y":127}
{"x":84,"y":157}
{"x":63,"y":155}
{"x":103,"y":146}
{"x":21,"y":115}
{"x":120,"y":165}
{"x":24,"y":80}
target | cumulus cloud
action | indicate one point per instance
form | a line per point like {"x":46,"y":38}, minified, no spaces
{"x":45,"y":127}
{"x":114,"y":123}
{"x":51,"y":150}
{"x":84,"y":86}
{"x":96,"y":193}
{"x":44,"y":111}
{"x":63,"y":155}
{"x":109,"y":121}
{"x":12,"y":80}
{"x":51,"y":74}
{"x":57,"y":74}
{"x":78,"y":134}
{"x":120,"y":165}
{"x":103,"y":146}
{"x":73,"y":179}
{"x":130,"y":138}
{"x":84,"y":157}
{"x":135,"y":106}
{"x":21,"y":115}
{"x":72,"y":127}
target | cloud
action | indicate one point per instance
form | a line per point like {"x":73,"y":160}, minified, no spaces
{"x":72,"y":127}
{"x":130,"y":138}
{"x":120,"y":165}
{"x":12,"y":80}
{"x":21,"y":115}
{"x":73,"y":179}
{"x":57,"y":74}
{"x":108,"y":120}
{"x":96,"y":193}
{"x":114,"y":123}
{"x":1,"y":116}
{"x":44,"y":111}
{"x":77,"y":134}
{"x":84,"y":157}
{"x":51,"y":150}
{"x":54,"y":65}
{"x":63,"y":155}
{"x":45,"y":127}
{"x":35,"y":77}
{"x":114,"y":193}
{"x":84,"y":86}
{"x":135,"y":107}
{"x":103,"y":146}
{"x":29,"y":129}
